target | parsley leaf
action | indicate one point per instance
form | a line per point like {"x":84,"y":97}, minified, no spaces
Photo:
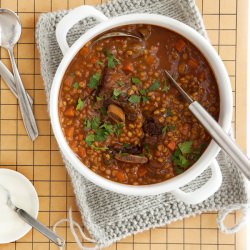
{"x":169,"y":112}
{"x":90,"y":138}
{"x":116,"y":93}
{"x":146,"y":147}
{"x":98,"y":98}
{"x":87,"y":123}
{"x":94,"y":81}
{"x":185,"y":147}
{"x":135,"y":80}
{"x":112,"y":61}
{"x":103,"y":111}
{"x":99,"y":148}
{"x":179,"y":159}
{"x":154,"y":86}
{"x":120,"y":83}
{"x":143,"y":91}
{"x":99,"y":62}
{"x":118,"y":129}
{"x":171,"y":127}
{"x":107,"y":127}
{"x":164,"y":130}
{"x":76,"y":85}
{"x":144,"y":99}
{"x":165,"y":87}
{"x":134,"y":99}
{"x":126,"y":145}
{"x":80,"y":104}
{"x":95,"y":123}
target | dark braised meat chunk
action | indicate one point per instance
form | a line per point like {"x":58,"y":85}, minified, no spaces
{"x":152,"y":127}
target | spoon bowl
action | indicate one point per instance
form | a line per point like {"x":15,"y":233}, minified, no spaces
{"x":10,"y":28}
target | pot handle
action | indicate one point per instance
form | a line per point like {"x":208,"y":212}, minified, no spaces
{"x":73,"y":17}
{"x":204,"y":192}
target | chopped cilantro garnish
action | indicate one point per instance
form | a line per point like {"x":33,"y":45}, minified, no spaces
{"x":118,"y":129}
{"x":154,"y":86}
{"x":165,"y":87}
{"x":143,"y":91}
{"x":98,"y":98}
{"x":90,"y":138}
{"x":169,"y":112}
{"x":72,"y":74}
{"x":135,"y":80}
{"x":99,"y":62}
{"x":116,"y":93}
{"x":107,"y":127}
{"x":144,"y":99}
{"x":179,"y":159}
{"x":164,"y":130}
{"x":171,"y":127}
{"x":99,"y":148}
{"x":185,"y":147}
{"x":103,"y":111}
{"x":94,"y":81}
{"x":76,"y":85}
{"x":146,"y":146}
{"x":87,"y":123}
{"x":134,"y":99}
{"x":126,"y":145}
{"x":120,"y":83}
{"x":95,"y":123}
{"x":80,"y":104}
{"x":112,"y":61}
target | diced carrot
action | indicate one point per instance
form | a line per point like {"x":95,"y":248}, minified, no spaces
{"x":121,"y":176}
{"x":150,"y":60}
{"x":69,"y":132}
{"x":93,"y":60}
{"x":180,"y":45}
{"x":80,"y":137}
{"x":84,"y":51}
{"x":128,"y":67}
{"x":141,"y":171}
{"x":70,"y":111}
{"x":68,"y":81}
{"x":171,"y":145}
{"x":193,"y":64}
{"x":81,"y":152}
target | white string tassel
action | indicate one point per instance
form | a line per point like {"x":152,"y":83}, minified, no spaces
{"x":234,"y":207}
{"x":72,"y":225}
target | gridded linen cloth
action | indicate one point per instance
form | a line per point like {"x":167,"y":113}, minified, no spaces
{"x":109,"y":216}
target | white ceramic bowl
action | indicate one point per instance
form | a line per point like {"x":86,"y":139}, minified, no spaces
{"x":208,"y":157}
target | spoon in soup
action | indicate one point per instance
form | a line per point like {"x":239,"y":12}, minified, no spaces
{"x":10,"y":31}
{"x":215,"y":130}
{"x":116,"y":34}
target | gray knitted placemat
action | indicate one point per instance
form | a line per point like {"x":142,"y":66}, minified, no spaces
{"x":109,"y":216}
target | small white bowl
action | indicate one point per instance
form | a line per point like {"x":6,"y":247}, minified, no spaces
{"x":23,"y":195}
{"x":207,"y":159}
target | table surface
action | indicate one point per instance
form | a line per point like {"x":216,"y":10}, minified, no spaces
{"x":40,"y":161}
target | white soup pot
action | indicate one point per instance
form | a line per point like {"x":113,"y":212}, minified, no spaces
{"x":207,"y":160}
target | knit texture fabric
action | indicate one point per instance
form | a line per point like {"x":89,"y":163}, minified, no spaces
{"x":110,"y":216}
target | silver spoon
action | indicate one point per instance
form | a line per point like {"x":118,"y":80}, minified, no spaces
{"x":216,"y":131}
{"x":9,"y":80}
{"x":10,"y":31}
{"x":115,"y":34}
{"x":33,"y":222}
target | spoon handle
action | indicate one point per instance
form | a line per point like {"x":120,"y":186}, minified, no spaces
{"x":221,"y":138}
{"x":9,"y":80}
{"x":25,"y":107}
{"x":40,"y":227}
